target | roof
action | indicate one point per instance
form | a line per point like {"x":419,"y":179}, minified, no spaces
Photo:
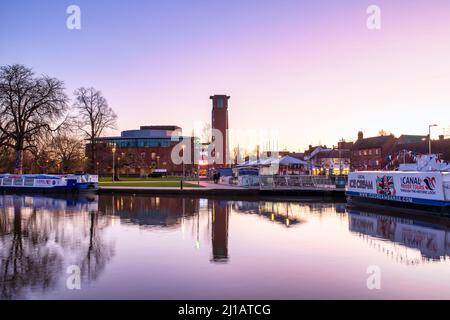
{"x":373,"y":142}
{"x":163,"y":127}
{"x":408,"y":138}
{"x":298,"y":155}
{"x":334,"y":153}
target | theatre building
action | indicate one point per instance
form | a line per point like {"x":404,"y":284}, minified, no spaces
{"x":141,"y":152}
{"x":149,"y":149}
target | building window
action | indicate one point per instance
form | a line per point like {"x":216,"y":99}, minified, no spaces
{"x":377,"y":151}
{"x":219,"y":103}
{"x":365,"y":152}
{"x":370,"y":152}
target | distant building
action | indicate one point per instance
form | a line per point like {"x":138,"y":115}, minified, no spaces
{"x":420,"y":145}
{"x":139,"y":152}
{"x":329,"y":161}
{"x":297,"y":155}
{"x":371,"y":153}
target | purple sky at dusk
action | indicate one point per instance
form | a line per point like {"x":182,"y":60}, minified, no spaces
{"x":310,"y":70}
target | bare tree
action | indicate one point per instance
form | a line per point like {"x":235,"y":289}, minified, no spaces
{"x":94,"y":117}
{"x":29,"y":106}
{"x":39,"y":156}
{"x":67,"y":150}
{"x":383,"y":133}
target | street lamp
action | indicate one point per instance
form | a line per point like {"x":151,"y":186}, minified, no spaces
{"x":429,"y":136}
{"x":114,"y":162}
{"x":182,"y":178}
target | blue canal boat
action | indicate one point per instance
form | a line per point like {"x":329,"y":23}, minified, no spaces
{"x":70,"y":183}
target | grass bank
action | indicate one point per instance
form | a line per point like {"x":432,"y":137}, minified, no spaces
{"x":169,"y":182}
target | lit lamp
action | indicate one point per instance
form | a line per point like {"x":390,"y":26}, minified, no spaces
{"x":114,"y":162}
{"x":182,"y":178}
{"x":429,"y":136}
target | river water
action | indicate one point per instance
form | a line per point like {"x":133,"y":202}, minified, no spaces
{"x":142,"y":247}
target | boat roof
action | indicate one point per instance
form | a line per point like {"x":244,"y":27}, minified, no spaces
{"x":31,"y":176}
{"x":400,"y":172}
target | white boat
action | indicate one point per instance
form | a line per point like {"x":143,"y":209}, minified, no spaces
{"x":423,"y":185}
{"x":48,"y":183}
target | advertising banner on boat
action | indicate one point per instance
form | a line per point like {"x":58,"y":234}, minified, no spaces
{"x":399,"y":186}
{"x":47,"y":183}
{"x":430,"y":242}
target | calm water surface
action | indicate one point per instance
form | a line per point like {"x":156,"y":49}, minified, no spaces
{"x":141,"y":247}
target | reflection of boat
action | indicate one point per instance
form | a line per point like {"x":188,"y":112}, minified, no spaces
{"x":432,"y":240}
{"x":48,"y":183}
{"x":425,"y":185}
{"x":76,"y":203}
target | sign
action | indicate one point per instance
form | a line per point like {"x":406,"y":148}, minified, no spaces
{"x":400,"y":186}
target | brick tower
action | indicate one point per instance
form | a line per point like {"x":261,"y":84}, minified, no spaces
{"x":220,"y":122}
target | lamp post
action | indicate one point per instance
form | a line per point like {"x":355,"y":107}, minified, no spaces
{"x":114,"y":162}
{"x":182,"y":178}
{"x":429,"y":137}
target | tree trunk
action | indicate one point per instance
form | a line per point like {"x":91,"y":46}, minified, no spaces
{"x":18,"y":167}
{"x":93,"y":158}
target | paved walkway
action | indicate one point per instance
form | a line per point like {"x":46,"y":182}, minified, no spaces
{"x":209,"y":189}
{"x":210,"y":185}
{"x":204,"y":185}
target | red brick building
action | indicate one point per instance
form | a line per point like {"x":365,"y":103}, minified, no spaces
{"x":371,"y":153}
{"x":139,"y":152}
{"x":419,"y":145}
{"x":219,"y":121}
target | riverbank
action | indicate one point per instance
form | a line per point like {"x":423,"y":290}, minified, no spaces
{"x":207,"y":189}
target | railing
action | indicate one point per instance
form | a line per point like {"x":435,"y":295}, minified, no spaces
{"x":300,"y":182}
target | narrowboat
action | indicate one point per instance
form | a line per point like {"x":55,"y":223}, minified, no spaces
{"x":424,"y":185}
{"x":48,"y":183}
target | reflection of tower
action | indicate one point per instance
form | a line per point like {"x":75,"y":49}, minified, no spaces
{"x":220,"y":216}
{"x":220,"y":123}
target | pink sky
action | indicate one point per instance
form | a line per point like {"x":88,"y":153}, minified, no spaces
{"x":309,"y":70}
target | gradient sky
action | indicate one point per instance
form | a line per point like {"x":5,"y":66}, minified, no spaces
{"x":309,"y":70}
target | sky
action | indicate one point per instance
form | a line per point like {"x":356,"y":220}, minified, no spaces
{"x":298,"y":72}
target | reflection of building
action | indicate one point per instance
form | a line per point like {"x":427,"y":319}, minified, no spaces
{"x":149,"y":211}
{"x":276,"y":212}
{"x":220,"y":217}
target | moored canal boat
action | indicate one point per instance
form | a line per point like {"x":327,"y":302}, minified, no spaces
{"x":70,"y":183}
{"x":424,"y":185}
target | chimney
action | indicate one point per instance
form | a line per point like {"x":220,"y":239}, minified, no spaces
{"x":360,"y":135}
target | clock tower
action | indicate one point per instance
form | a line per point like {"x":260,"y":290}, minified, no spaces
{"x":220,"y":123}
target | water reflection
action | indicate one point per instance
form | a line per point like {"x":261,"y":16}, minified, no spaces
{"x":41,"y":236}
{"x":430,"y":239}
{"x":220,"y":217}
{"x":165,"y":239}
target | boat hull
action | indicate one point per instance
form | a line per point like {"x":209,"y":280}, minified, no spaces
{"x":430,"y":206}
